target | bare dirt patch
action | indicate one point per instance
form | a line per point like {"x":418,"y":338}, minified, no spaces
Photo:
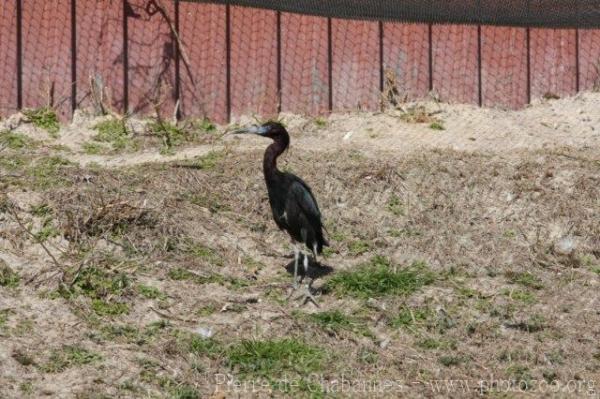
{"x":466,"y":254}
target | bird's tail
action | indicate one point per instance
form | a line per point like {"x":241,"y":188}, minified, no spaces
{"x":321,"y":242}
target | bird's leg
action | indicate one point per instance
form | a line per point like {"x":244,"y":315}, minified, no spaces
{"x":296,"y":260}
{"x":307,"y":295}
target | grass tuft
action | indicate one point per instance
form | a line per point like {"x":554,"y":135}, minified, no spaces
{"x":437,"y":126}
{"x":408,"y":317}
{"x":149,"y":292}
{"x":14,"y":141}
{"x":395,"y":206}
{"x":44,"y":118}
{"x":525,"y":279}
{"x":272,"y":358}
{"x":379,"y":277}
{"x":8,"y":278}
{"x":69,"y":356}
{"x":208,"y":161}
{"x":113,"y":131}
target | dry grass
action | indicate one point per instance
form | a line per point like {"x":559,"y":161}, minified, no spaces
{"x":447,"y":265}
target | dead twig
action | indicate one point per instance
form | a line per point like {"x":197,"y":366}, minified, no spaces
{"x":36,"y":238}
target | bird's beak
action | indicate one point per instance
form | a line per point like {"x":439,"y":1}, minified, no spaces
{"x":260,"y":130}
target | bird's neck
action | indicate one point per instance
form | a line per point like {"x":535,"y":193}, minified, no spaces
{"x":271,"y":154}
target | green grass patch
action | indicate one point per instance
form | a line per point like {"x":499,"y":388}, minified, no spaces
{"x":206,"y":310}
{"x":525,"y":279}
{"x":40,"y":210}
{"x":170,"y":134}
{"x":115,"y":132}
{"x":379,"y":277}
{"x":449,"y":360}
{"x":201,"y":251}
{"x":3,"y":317}
{"x":105,"y":308}
{"x":433,"y":343}
{"x":106,"y":290}
{"x":93,"y":148}
{"x":437,"y":126}
{"x":336,"y":234}
{"x":359,"y":247}
{"x":67,"y":357}
{"x":405,"y":232}
{"x":206,"y":200}
{"x":320,"y":122}
{"x":205,"y":125}
{"x":335,"y":322}
{"x":395,"y":206}
{"x":208,"y":161}
{"x":46,"y":172}
{"x":179,"y":274}
{"x":150,"y":292}
{"x":14,"y":141}
{"x":8,"y":278}
{"x":185,"y":392}
{"x":408,"y":317}
{"x":132,"y":334}
{"x":204,"y":346}
{"x":47,"y":230}
{"x":535,"y":323}
{"x":272,"y":358}
{"x":96,"y":283}
{"x":520,"y":296}
{"x":521,"y":375}
{"x":43,"y":118}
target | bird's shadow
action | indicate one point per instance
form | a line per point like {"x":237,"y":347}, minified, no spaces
{"x":315,"y":269}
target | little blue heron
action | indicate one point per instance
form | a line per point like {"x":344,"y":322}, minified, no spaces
{"x":293,"y":204}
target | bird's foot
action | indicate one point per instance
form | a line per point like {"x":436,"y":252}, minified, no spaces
{"x":305,"y":295}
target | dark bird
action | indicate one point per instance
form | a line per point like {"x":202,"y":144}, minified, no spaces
{"x":293,"y":204}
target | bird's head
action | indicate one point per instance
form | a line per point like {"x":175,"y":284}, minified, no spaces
{"x":271,"y":129}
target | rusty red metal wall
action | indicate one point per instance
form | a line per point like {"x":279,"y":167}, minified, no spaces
{"x":203,"y":61}
{"x":254,"y":65}
{"x":304,"y":64}
{"x":221,"y":62}
{"x":99,"y":53}
{"x":406,"y":51}
{"x":504,"y":67}
{"x":47,"y":56}
{"x":355,"y":65}
{"x":8,"y":57}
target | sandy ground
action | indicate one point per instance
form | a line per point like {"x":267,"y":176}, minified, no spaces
{"x":503,"y":208}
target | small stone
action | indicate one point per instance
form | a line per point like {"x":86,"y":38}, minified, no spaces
{"x":204,"y":332}
{"x":565,"y":246}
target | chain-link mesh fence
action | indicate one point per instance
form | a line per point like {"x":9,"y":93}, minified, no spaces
{"x":221,"y":61}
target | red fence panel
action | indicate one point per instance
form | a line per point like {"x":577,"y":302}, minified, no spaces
{"x":151,"y":56}
{"x":304,"y":63}
{"x":589,"y":59}
{"x":231,"y":61}
{"x":47,"y":55}
{"x":355,"y":65}
{"x":8,"y":57}
{"x":455,"y":63}
{"x":504,"y":67}
{"x":253,"y":62}
{"x":553,"y":62}
{"x":203,"y":62}
{"x":406,"y":56}
{"x":100,"y":52}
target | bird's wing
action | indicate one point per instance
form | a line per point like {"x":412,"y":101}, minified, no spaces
{"x":305,"y":200}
